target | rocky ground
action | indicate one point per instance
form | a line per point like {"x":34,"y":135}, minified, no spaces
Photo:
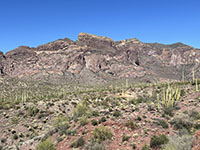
{"x":121,"y":117}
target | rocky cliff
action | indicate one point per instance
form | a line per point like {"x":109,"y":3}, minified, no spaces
{"x":97,"y":59}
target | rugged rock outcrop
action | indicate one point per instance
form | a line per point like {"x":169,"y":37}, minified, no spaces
{"x":2,"y":58}
{"x":97,"y":59}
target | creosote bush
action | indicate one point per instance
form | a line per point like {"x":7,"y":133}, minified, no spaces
{"x":78,"y":143}
{"x":61,"y":123}
{"x":94,"y":122}
{"x":117,"y":113}
{"x":146,"y":147}
{"x":182,"y":121}
{"x":179,"y":142}
{"x":101,"y":133}
{"x":83,"y":120}
{"x":138,"y":100}
{"x":125,"y":138}
{"x":46,"y":145}
{"x":157,"y":141}
{"x":162,"y":123}
{"x":81,"y":109}
{"x":95,"y":113}
{"x":131,"y":124}
{"x":133,"y":145}
{"x":103,"y":119}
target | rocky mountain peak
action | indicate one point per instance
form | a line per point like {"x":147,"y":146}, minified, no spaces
{"x":98,"y":42}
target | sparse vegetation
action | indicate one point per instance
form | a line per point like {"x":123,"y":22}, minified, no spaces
{"x":94,"y":113}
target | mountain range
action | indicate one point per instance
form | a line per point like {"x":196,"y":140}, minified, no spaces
{"x":95,"y":59}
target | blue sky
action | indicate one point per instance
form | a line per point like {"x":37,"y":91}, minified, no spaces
{"x":35,"y":22}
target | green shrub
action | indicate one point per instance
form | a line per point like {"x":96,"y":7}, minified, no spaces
{"x":46,"y":145}
{"x":168,"y":110}
{"x":182,"y":92}
{"x":125,"y":138}
{"x":132,"y":101}
{"x":15,"y":137}
{"x":71,"y":132}
{"x":100,"y":134}
{"x":15,"y":120}
{"x":79,"y":143}
{"x":33,"y":110}
{"x":103,"y":119}
{"x":194,"y":114}
{"x":146,"y":147}
{"x":95,"y":113}
{"x":83,"y":120}
{"x":157,"y":141}
{"x":131,"y":124}
{"x":182,"y":121}
{"x":139,"y":118}
{"x":162,"y":123}
{"x":117,"y":113}
{"x":81,"y":109}
{"x":141,"y":99}
{"x":94,"y":122}
{"x":59,"y":139}
{"x":61,"y":123}
{"x":133,"y":145}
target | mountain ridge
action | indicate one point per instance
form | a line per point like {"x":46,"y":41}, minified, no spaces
{"x":97,"y":59}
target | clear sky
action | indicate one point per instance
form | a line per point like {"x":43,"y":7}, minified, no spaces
{"x":35,"y":22}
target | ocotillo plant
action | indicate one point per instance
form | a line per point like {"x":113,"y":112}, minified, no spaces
{"x":197,"y":87}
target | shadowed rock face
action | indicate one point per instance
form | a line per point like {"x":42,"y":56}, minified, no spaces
{"x":97,"y":59}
